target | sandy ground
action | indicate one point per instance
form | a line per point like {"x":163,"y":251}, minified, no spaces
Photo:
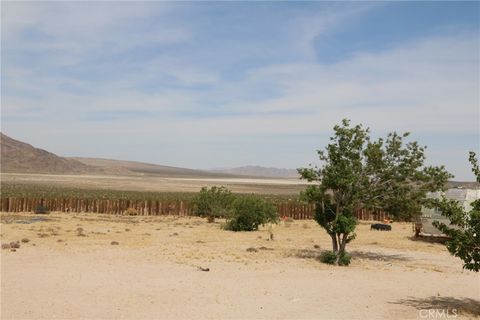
{"x":159,"y":183}
{"x":153,"y":272}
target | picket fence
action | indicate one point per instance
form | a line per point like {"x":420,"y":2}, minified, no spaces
{"x":294,"y":210}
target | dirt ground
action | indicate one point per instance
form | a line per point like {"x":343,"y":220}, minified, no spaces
{"x":153,"y":272}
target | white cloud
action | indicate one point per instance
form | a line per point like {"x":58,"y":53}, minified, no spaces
{"x":426,"y":86}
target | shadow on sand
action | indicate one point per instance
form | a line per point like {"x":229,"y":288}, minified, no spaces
{"x":453,"y":305}
{"x":373,"y":256}
{"x":429,"y":239}
{"x":308,"y":254}
{"x":376,"y":256}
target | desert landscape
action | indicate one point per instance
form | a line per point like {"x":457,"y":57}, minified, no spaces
{"x":246,"y":160}
{"x":73,"y":266}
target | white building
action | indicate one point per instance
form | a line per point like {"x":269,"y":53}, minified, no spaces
{"x":464,"y":196}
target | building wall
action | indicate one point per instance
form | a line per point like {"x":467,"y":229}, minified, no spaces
{"x":464,"y":196}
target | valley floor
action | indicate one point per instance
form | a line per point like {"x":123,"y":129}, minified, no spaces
{"x":153,"y":272}
{"x":158,"y":183}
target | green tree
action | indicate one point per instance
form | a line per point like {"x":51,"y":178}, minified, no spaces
{"x":249,"y":212}
{"x":213,"y":203}
{"x":360,"y":173}
{"x":464,"y":231}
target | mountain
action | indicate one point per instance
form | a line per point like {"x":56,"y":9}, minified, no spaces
{"x":20,"y":157}
{"x":258,"y":171}
{"x":135,"y":167}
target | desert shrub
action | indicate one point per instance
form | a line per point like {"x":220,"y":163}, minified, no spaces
{"x":345,"y":259}
{"x":15,"y":245}
{"x":130,"y":212}
{"x":329,"y":257}
{"x":249,"y":213}
{"x":41,"y":210}
{"x":213,"y":203}
{"x":80,"y":232}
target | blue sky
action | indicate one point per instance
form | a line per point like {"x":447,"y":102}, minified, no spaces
{"x":217,"y":84}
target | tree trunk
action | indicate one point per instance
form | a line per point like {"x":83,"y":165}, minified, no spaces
{"x":343,"y":244}
{"x":334,"y":242}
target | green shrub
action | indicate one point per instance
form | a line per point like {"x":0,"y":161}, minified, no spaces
{"x":249,"y":213}
{"x":345,"y":259}
{"x":213,"y":203}
{"x":329,"y":257}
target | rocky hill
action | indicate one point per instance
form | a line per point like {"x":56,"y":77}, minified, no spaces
{"x":20,"y":157}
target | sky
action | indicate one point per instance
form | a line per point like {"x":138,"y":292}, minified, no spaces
{"x":225,"y":84}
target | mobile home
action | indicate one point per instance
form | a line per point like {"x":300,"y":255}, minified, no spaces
{"x":464,"y":196}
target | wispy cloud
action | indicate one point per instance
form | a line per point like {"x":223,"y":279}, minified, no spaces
{"x":208,"y":77}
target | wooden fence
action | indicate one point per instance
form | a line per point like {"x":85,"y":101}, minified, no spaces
{"x":295,"y":210}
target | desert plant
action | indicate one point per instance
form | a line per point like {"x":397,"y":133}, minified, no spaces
{"x":358,"y":172}
{"x":213,"y":203}
{"x":330,"y":257}
{"x":131,"y":212}
{"x":40,"y":209}
{"x":249,"y":213}
{"x":15,"y":245}
{"x":80,"y":232}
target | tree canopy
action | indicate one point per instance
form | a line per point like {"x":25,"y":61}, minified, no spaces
{"x":358,"y":172}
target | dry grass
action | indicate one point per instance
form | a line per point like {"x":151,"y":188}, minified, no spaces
{"x":191,"y":240}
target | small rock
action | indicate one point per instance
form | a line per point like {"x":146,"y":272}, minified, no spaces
{"x":5,"y":246}
{"x":252,"y":250}
{"x":15,"y":245}
{"x":203,"y":269}
{"x":13,"y":250}
{"x":25,"y":240}
{"x":316,"y":246}
{"x":114,"y":243}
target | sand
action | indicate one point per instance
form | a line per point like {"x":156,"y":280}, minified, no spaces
{"x":153,"y":273}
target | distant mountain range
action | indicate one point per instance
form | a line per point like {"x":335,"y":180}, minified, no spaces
{"x":122,"y":167}
{"x":21,"y":157}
